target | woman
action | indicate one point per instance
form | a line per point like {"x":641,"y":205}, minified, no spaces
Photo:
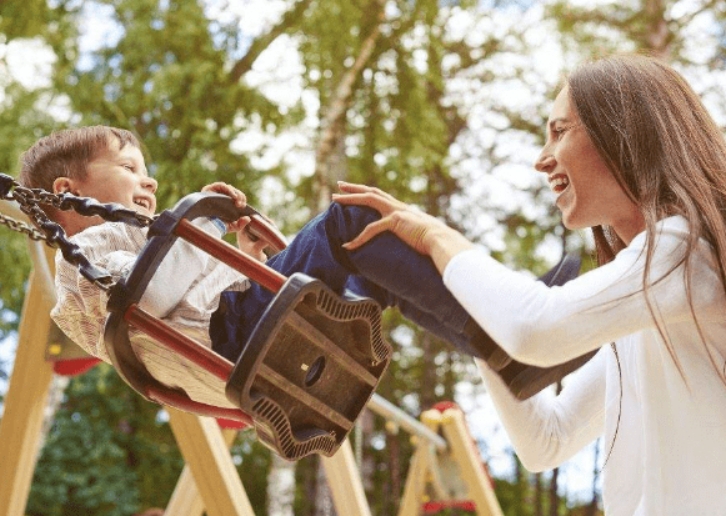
{"x":632,"y":153}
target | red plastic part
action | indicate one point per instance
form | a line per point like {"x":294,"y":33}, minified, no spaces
{"x":74,"y":367}
{"x":437,"y":507}
{"x":443,"y":406}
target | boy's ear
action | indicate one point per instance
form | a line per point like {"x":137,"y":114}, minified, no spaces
{"x":62,"y":185}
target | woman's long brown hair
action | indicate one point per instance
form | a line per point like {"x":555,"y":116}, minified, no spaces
{"x":664,"y":149}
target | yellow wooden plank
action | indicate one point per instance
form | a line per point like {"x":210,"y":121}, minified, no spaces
{"x":467,"y":456}
{"x":186,"y":500}
{"x":413,"y":491}
{"x":345,"y":483}
{"x":204,"y":450}
{"x":25,"y":402}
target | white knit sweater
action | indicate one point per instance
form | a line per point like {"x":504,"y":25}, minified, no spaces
{"x":669,"y":454}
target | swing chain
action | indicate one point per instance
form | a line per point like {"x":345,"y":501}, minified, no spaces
{"x":21,"y":227}
{"x":52,"y":233}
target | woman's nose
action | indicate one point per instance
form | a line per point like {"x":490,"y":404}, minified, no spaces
{"x":545,"y":162}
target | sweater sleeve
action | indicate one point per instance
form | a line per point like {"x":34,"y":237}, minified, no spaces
{"x":545,"y":326}
{"x":548,"y":429}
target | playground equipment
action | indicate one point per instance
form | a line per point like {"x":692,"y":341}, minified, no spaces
{"x":285,"y":382}
{"x":203,"y":445}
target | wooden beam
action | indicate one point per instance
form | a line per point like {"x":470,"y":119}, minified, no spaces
{"x":468,"y":457}
{"x":345,"y":483}
{"x":186,"y":500}
{"x":205,"y":451}
{"x":26,"y":400}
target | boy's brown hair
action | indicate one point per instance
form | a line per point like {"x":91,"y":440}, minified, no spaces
{"x":67,"y":153}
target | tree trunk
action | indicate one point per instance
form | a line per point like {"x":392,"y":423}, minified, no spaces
{"x":280,"y":487}
{"x":658,"y":38}
{"x":323,"y":497}
{"x":592,"y":508}
{"x":538,"y":495}
{"x":554,"y":497}
{"x":333,"y":122}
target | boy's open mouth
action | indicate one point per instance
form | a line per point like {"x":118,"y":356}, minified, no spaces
{"x":144,"y":203}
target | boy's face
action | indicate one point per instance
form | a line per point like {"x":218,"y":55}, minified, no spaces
{"x":116,"y":175}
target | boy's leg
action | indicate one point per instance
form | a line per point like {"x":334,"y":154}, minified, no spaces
{"x":385,"y":269}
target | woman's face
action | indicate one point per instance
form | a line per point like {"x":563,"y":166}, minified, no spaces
{"x":587,"y":193}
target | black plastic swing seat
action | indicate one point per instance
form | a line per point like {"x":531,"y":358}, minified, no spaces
{"x":310,"y":367}
{"x":307,"y":371}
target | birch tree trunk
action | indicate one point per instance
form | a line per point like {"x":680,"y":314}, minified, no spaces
{"x":280,"y":487}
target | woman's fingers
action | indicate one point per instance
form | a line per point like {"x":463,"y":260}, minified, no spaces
{"x":407,"y":226}
{"x":367,"y":196}
{"x":399,"y":218}
{"x":383,"y":204}
{"x":369,"y":232}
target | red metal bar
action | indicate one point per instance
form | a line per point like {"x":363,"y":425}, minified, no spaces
{"x":250,"y":267}
{"x":178,"y":400}
{"x":179,"y":343}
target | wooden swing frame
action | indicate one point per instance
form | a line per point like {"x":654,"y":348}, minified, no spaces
{"x":203,"y":444}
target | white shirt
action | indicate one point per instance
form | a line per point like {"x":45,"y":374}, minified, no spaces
{"x":184,"y":292}
{"x":669,"y":455}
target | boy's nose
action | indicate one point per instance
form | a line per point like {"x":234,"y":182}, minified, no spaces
{"x":150,"y":184}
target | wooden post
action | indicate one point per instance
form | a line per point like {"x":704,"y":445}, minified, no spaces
{"x":204,"y":450}
{"x":186,"y":500}
{"x":26,"y":400}
{"x":345,"y":483}
{"x":418,"y":470}
{"x":467,"y":456}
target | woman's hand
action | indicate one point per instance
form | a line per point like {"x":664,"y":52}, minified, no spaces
{"x":409,"y":224}
{"x":421,"y":231}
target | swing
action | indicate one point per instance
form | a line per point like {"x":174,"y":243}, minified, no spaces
{"x":287,"y":383}
{"x":309,"y":342}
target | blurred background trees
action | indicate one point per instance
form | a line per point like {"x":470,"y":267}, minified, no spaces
{"x":440,"y":102}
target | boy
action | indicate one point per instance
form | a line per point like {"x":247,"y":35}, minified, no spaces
{"x":194,"y":292}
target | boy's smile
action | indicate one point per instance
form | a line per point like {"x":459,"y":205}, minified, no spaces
{"x":116,"y":175}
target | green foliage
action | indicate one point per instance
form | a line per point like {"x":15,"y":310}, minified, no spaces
{"x":177,"y":79}
{"x":21,"y":123}
{"x":22,"y":18}
{"x":107,"y":452}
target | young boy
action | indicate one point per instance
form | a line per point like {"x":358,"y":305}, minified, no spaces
{"x":196,"y":293}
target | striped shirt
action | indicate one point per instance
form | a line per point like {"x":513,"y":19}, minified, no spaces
{"x":184,"y":292}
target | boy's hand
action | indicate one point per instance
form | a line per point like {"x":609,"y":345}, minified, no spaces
{"x":240,"y":199}
{"x":247,"y":243}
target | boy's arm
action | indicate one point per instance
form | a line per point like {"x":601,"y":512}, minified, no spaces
{"x":80,"y":309}
{"x":179,"y":269}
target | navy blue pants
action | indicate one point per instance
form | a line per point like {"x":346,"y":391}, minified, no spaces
{"x":384,"y":269}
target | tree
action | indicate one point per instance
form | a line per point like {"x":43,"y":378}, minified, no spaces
{"x":440,"y":103}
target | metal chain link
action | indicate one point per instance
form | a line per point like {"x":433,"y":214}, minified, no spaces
{"x":21,"y":227}
{"x":29,"y":201}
